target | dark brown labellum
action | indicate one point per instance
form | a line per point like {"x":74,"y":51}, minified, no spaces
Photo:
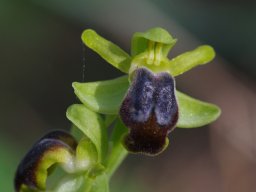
{"x":31,"y":167}
{"x":62,"y":136}
{"x":150,"y":110}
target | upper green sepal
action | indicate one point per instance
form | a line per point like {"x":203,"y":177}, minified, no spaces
{"x":141,"y":41}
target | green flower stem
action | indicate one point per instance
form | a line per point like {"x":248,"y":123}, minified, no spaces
{"x":117,"y":157}
{"x":88,"y":182}
{"x":118,"y":152}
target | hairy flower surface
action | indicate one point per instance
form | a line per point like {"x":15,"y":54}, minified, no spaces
{"x":150,"y":110}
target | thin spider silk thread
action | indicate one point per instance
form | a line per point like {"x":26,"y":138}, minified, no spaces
{"x":83,"y":63}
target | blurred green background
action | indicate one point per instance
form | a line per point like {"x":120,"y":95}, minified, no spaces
{"x":41,"y":54}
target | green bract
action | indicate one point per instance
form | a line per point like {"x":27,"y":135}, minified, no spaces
{"x":84,"y":120}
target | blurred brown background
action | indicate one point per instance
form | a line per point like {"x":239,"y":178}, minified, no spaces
{"x":41,"y":54}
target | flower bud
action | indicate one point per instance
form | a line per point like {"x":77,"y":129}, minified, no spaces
{"x":55,"y":147}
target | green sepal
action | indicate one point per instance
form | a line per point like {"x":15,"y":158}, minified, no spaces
{"x":103,"y":96}
{"x":141,"y":41}
{"x":107,"y":50}
{"x":186,"y":61}
{"x":91,"y":124}
{"x":194,"y":113}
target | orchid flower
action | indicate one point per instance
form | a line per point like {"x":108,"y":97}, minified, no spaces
{"x":142,"y":108}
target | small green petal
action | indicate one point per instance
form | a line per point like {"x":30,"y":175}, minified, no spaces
{"x":140,"y":41}
{"x":107,"y":50}
{"x":194,"y":113}
{"x":103,"y":96}
{"x":188,"y":60}
{"x":91,"y":124}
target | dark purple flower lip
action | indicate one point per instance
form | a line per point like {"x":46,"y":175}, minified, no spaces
{"x":150,"y":111}
{"x":32,"y":171}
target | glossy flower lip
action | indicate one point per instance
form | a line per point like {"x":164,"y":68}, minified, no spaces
{"x":150,"y":111}
{"x":54,"y":147}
